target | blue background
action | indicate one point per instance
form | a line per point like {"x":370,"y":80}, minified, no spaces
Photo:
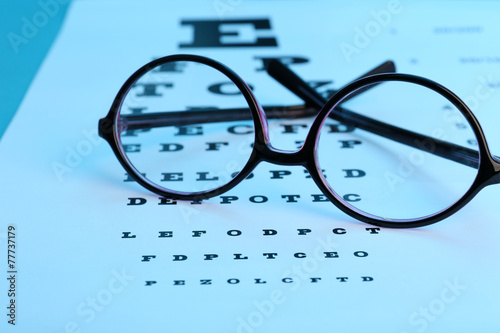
{"x":17,"y":69}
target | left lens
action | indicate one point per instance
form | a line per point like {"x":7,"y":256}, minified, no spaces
{"x":186,"y":127}
{"x":422,"y":163}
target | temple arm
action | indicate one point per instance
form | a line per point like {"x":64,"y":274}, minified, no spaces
{"x":205,"y":116}
{"x":312,"y":98}
{"x":183,"y":118}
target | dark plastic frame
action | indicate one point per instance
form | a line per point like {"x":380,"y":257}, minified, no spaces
{"x":112,"y":125}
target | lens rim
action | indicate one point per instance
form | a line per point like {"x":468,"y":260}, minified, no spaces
{"x":485,"y":172}
{"x":108,"y":128}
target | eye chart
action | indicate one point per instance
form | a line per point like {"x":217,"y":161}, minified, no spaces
{"x":92,"y":251}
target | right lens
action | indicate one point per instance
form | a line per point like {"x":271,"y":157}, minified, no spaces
{"x":186,"y":127}
{"x":393,"y":181}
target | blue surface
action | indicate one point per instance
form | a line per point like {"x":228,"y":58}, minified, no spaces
{"x":27,"y":29}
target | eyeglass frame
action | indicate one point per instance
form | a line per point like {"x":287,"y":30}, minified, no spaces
{"x":306,"y":156}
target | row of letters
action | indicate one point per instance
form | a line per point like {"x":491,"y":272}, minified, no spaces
{"x":266,"y":255}
{"x":234,"y":281}
{"x":237,"y":232}
{"x":257,"y":199}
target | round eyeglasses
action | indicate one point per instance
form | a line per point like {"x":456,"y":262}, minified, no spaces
{"x":187,"y":127}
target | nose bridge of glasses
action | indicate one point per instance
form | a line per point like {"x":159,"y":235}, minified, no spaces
{"x":273,"y":155}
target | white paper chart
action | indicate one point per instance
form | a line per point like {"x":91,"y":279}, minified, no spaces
{"x":86,"y":249}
